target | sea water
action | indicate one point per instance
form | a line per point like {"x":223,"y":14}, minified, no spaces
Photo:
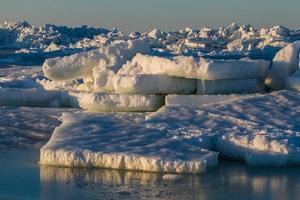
{"x":21,"y":177}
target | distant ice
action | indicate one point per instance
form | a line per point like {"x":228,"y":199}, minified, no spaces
{"x":293,"y":81}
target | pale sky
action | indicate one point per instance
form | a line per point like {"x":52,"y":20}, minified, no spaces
{"x":144,"y":15}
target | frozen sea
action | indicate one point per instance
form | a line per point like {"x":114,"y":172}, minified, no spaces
{"x":24,"y":130}
{"x":23,"y":178}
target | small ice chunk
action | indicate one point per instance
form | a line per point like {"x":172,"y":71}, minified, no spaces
{"x":103,"y":80}
{"x":233,"y":69}
{"x":155,"y":34}
{"x":179,"y":66}
{"x":199,"y":100}
{"x":52,"y":47}
{"x":172,"y":177}
{"x":293,"y":81}
{"x":207,"y":87}
{"x":285,"y":62}
{"x":153,"y":84}
{"x":189,"y":67}
{"x":119,"y":102}
{"x":80,"y":65}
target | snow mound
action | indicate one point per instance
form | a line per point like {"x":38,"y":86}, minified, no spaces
{"x":153,"y":84}
{"x":285,"y":63}
{"x":206,"y":87}
{"x":120,"y":142}
{"x":118,"y":102}
{"x":199,"y":100}
{"x":189,"y":67}
{"x":81,"y":65}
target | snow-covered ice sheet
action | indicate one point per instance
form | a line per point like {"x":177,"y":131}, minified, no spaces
{"x":118,"y":102}
{"x":262,"y":130}
{"x":199,"y":100}
{"x":206,"y":87}
{"x":153,"y":84}
{"x":119,"y":141}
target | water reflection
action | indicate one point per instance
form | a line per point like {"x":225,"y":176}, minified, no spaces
{"x":229,"y":181}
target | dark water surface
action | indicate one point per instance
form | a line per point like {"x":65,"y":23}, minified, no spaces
{"x":22,"y":178}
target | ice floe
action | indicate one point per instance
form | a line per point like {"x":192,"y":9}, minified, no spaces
{"x":293,"y":81}
{"x":103,"y":145}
